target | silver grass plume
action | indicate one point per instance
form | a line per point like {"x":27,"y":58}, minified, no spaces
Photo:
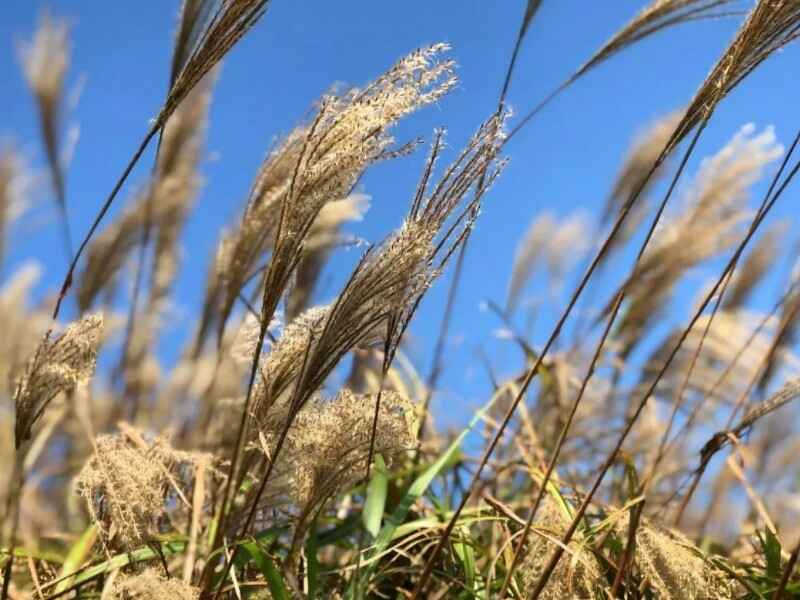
{"x":149,"y":584}
{"x":164,"y":203}
{"x":57,"y":366}
{"x":207,"y":30}
{"x":165,"y":209}
{"x":133,"y":485}
{"x":657,"y":15}
{"x":635,"y":175}
{"x":754,"y":268}
{"x":769,"y":27}
{"x":45,"y":60}
{"x":674,"y":568}
{"x":322,"y":239}
{"x":319,"y":163}
{"x":326,"y":447}
{"x":389,"y":281}
{"x":556,"y":244}
{"x":709,"y":224}
{"x":14,"y":183}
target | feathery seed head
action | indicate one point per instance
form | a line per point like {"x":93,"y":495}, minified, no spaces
{"x":207,"y":31}
{"x":770,"y":25}
{"x":709,"y":224}
{"x":319,"y":163}
{"x":556,"y":244}
{"x":322,"y":238}
{"x":130,"y":484}
{"x":754,"y":268}
{"x":151,"y":584}
{"x":578,"y":575}
{"x":58,"y":365}
{"x":388,"y":283}
{"x":657,"y":15}
{"x":673,"y":567}
{"x":635,"y":172}
{"x":328,"y":444}
{"x":45,"y":60}
{"x":13,"y":187}
{"x":285,"y":360}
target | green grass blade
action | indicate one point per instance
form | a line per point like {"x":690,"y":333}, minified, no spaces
{"x":376,"y":498}
{"x":466,"y":555}
{"x":312,"y":561}
{"x":76,"y":556}
{"x":772,"y":554}
{"x":119,"y":561}
{"x":266,"y":565}
{"x":422,"y":483}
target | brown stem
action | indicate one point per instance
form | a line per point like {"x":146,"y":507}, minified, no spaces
{"x":65,"y":286}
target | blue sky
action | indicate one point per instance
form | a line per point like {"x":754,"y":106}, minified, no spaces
{"x":565,"y":160}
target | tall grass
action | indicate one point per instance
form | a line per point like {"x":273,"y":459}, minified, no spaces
{"x":290,"y":453}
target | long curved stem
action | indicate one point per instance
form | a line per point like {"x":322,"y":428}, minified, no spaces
{"x":67,"y":284}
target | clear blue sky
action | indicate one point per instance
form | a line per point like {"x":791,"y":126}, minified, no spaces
{"x":565,"y":160}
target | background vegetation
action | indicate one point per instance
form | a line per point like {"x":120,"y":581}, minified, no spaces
{"x":290,"y":450}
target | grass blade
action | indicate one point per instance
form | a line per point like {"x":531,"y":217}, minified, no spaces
{"x":376,"y":498}
{"x":267,"y":567}
{"x":76,"y":556}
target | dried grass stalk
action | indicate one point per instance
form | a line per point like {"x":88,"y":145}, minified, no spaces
{"x":754,"y":268}
{"x":389,"y":281}
{"x":151,"y":584}
{"x":709,"y":224}
{"x":133,"y":485}
{"x":319,"y":163}
{"x":45,"y":60}
{"x":57,"y":366}
{"x":327,"y":446}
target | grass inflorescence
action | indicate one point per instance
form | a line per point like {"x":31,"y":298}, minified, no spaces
{"x":288,"y":451}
